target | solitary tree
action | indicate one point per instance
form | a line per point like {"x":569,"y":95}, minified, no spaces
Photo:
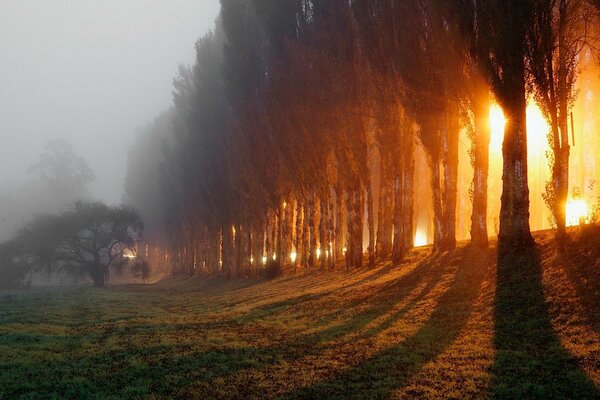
{"x":87,"y":240}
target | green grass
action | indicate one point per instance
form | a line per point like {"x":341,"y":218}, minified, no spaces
{"x":458,"y":325}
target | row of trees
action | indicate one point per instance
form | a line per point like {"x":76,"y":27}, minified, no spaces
{"x":294,"y":106}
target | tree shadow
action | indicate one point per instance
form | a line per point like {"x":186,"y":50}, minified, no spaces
{"x":530,"y":360}
{"x":390,"y":369}
{"x":581,"y":266}
{"x":382,"y":300}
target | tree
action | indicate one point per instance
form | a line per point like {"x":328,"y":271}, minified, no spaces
{"x":85,"y":241}
{"x":555,"y":41}
{"x":64,"y":174}
{"x":503,"y":25}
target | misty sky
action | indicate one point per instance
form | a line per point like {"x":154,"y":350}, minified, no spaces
{"x":90,"y":72}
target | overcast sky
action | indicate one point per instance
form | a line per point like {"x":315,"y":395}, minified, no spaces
{"x":90,"y":72}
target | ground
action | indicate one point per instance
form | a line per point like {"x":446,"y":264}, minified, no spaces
{"x":461,"y":325}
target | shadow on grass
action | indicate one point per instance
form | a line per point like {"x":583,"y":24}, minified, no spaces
{"x":390,"y":369}
{"x":582,"y":268}
{"x":530,"y":361}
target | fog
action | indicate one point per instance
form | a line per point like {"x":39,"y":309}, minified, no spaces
{"x":89,"y":72}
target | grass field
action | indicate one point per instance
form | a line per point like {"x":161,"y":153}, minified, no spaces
{"x":459,"y":325}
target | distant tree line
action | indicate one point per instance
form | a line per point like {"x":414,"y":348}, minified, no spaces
{"x":268,"y":151}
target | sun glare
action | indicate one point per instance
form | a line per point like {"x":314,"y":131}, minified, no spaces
{"x":420,"y":238}
{"x":577,"y":212}
{"x":497,"y":124}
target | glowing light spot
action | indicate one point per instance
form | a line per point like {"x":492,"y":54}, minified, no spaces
{"x":577,"y":212}
{"x":318,"y":253}
{"x":274,"y":256}
{"x":420,"y":238}
{"x":537,"y":129}
{"x":497,"y":125}
{"x":293,"y":256}
{"x":344,"y":250}
{"x":264,"y":260}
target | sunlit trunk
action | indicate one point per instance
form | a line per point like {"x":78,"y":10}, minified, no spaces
{"x":227,"y":251}
{"x":239,"y":249}
{"x":480,"y":153}
{"x":514,"y":211}
{"x":438,"y":226}
{"x":450,"y":163}
{"x":331,"y":229}
{"x":340,"y":241}
{"x":408,"y":172}
{"x":398,"y":243}
{"x":371,"y":223}
{"x":312,"y":217}
{"x":380,"y":210}
{"x":299,"y":237}
{"x":322,"y":231}
{"x":305,"y":247}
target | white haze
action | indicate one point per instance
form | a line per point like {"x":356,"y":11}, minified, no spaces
{"x":91,"y":72}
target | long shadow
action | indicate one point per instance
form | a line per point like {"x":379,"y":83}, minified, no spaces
{"x":530,"y":361}
{"x":390,"y":369}
{"x":393,"y":292}
{"x":578,"y":265}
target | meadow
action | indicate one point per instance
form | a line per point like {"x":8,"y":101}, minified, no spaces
{"x":461,"y":325}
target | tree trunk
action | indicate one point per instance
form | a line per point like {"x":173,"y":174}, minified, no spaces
{"x":438,"y":226}
{"x":371,"y":223}
{"x":331,"y":229}
{"x":227,"y":255}
{"x":399,"y":227}
{"x":323,"y":232}
{"x":380,"y":209}
{"x":408,"y":172}
{"x":450,"y":161}
{"x":480,"y":149}
{"x":299,"y":243}
{"x":514,"y":210}
{"x":340,"y":242}
{"x":312,"y":217}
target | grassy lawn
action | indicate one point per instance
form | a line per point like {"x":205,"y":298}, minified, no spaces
{"x":459,"y":325}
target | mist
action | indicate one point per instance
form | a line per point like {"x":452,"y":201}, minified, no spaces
{"x":89,"y":73}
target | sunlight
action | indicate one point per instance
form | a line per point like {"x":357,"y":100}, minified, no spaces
{"x":293,"y":256}
{"x":497,"y":124}
{"x":577,"y":212}
{"x":420,"y":238}
{"x":537,"y":126}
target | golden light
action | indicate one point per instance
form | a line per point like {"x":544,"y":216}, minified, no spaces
{"x":344,"y":250}
{"x":129,"y":253}
{"x":264,"y":260}
{"x":537,"y":128}
{"x":274,"y":256}
{"x":251,"y":260}
{"x":293,"y":256}
{"x":577,"y":212}
{"x":420,"y":238}
{"x":318,"y":253}
{"x":497,"y":125}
